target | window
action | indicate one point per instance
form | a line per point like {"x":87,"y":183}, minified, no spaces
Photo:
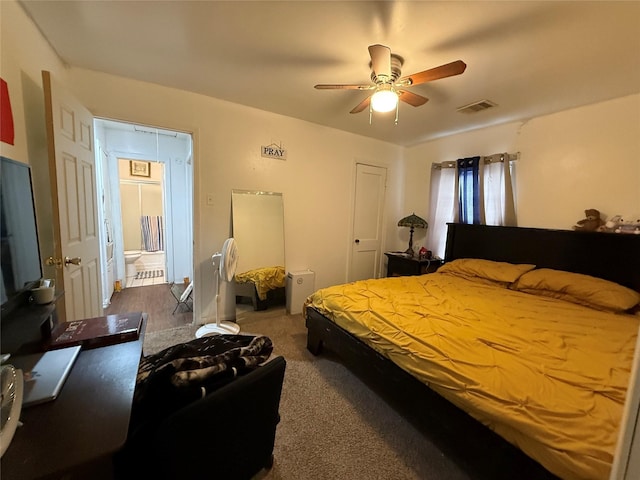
{"x":469,"y":191}
{"x":475,"y":190}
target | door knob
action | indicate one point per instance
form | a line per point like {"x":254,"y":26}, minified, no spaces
{"x":53,"y":262}
{"x":357,"y":240}
{"x":74,"y":261}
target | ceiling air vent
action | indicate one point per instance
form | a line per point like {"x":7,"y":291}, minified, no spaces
{"x":476,"y":106}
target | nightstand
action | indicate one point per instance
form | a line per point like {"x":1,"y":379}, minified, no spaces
{"x":399,"y":264}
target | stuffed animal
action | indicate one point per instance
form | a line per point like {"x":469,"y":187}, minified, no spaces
{"x":590,"y":224}
{"x":612,"y":223}
{"x":628,"y":225}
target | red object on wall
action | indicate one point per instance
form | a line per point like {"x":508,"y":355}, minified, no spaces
{"x":6,"y":116}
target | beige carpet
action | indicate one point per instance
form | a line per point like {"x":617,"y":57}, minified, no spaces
{"x":332,"y":426}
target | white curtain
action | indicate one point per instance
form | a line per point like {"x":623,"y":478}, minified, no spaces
{"x":496,"y":190}
{"x":499,"y":204}
{"x":441,"y":206}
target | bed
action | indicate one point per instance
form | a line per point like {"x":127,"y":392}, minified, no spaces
{"x":263,"y":286}
{"x":487,"y":360}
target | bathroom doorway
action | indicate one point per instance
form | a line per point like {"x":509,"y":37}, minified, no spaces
{"x":142,"y":214}
{"x":145,"y":182}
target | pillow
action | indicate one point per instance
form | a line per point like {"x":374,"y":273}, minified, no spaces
{"x":502,"y":272}
{"x":578,"y":288}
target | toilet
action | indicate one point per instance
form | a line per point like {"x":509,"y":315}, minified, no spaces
{"x":130,"y":257}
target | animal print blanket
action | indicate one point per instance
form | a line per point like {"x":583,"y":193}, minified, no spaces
{"x":188,"y":371}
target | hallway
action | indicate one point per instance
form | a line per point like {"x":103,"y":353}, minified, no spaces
{"x":145,"y":180}
{"x":156,"y":300}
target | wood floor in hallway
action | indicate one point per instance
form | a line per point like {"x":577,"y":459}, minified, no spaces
{"x":157,"y":301}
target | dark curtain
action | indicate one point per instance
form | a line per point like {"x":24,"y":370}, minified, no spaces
{"x":469,"y":190}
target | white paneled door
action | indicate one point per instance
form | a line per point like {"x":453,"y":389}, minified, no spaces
{"x":367,"y":222}
{"x":73,"y":190}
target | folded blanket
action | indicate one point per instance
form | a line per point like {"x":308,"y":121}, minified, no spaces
{"x":180,"y":374}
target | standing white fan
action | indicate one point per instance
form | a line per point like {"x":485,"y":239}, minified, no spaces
{"x":224,"y":264}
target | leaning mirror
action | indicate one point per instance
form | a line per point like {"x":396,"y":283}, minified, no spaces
{"x":258,"y":229}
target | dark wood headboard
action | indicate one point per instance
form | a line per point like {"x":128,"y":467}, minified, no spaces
{"x":611,"y":256}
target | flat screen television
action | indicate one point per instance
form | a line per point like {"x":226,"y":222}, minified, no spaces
{"x":20,"y":254}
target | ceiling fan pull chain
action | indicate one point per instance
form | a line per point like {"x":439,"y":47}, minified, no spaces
{"x":397,"y":108}
{"x":370,"y":113}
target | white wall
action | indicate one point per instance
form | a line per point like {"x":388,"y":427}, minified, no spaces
{"x":587,"y":157}
{"x":24,"y":54}
{"x":583,"y":158}
{"x":316,"y":179}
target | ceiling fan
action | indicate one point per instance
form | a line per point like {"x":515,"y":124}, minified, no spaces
{"x":389,"y":86}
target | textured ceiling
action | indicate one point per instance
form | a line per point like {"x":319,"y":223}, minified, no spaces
{"x":530,"y":58}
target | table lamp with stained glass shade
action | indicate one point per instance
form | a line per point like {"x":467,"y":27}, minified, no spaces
{"x":412,"y":221}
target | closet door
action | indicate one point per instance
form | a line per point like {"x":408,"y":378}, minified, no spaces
{"x":367,"y":222}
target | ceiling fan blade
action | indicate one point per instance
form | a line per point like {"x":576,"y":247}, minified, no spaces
{"x":362,"y":105}
{"x":343,"y":87}
{"x":443,"y":71}
{"x":411,"y":98}
{"x":381,"y":60}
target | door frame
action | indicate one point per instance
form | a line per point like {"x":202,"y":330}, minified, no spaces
{"x":383,"y":234}
{"x":166,"y":187}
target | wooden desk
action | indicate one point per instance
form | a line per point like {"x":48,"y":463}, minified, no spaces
{"x":85,"y":425}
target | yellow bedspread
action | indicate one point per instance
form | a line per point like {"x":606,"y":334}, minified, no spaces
{"x":547,"y":375}
{"x":265,"y":279}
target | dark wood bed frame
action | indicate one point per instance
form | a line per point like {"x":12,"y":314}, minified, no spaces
{"x":474,"y":447}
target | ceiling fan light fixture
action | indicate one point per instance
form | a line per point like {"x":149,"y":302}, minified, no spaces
{"x":385,"y":99}
{"x":387,"y":84}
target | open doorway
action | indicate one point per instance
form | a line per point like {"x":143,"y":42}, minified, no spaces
{"x":143,"y":218}
{"x":145,"y":205}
